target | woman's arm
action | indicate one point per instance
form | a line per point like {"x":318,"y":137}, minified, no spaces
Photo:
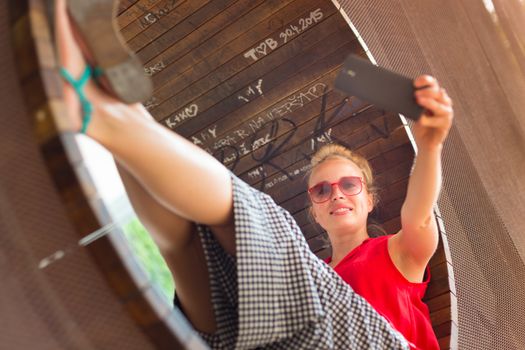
{"x":417,"y":241}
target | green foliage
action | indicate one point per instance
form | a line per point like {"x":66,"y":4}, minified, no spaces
{"x":149,"y":256}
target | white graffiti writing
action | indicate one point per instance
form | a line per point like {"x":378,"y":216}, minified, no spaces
{"x":241,"y":133}
{"x":326,"y":137}
{"x":187,"y":113}
{"x":158,"y":67}
{"x":151,"y":103}
{"x":297,"y":101}
{"x":283,"y":178}
{"x":205,"y":135}
{"x":304,"y":23}
{"x":153,"y":16}
{"x":226,"y":141}
{"x":261,"y":141}
{"x":253,"y":90}
{"x":289,"y":105}
{"x":270,"y":44}
{"x":262,"y":49}
{"x":259,"y":171}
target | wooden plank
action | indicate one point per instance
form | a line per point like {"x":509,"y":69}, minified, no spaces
{"x":24,"y":49}
{"x":440,"y":270}
{"x":438,"y":257}
{"x":318,"y":242}
{"x":282,"y":190}
{"x":310,"y":98}
{"x":439,"y":301}
{"x":438,"y":286}
{"x":131,"y":10}
{"x":220,"y":91}
{"x":139,"y":21}
{"x":269,"y":96}
{"x":440,"y":316}
{"x":223,"y":63}
{"x":185,"y":17}
{"x":218,"y":40}
{"x":123,"y":5}
{"x":443,"y":330}
{"x":287,"y":165}
{"x":444,"y":343}
{"x":393,"y":225}
{"x":291,"y":93}
{"x":355,"y":143}
{"x":296,"y":204}
{"x":309,"y":71}
{"x":393,"y":192}
{"x":294,"y":141}
{"x":345,"y":124}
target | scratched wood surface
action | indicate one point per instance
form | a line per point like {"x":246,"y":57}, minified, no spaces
{"x":251,"y":82}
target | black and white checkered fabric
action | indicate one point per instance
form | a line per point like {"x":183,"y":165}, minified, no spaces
{"x":276,"y":294}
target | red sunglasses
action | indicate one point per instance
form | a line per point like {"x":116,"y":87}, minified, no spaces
{"x":348,"y":185}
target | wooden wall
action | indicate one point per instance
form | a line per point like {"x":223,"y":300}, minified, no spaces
{"x":251,"y":83}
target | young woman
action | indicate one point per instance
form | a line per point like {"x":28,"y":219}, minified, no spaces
{"x":245,"y":276}
{"x":388,"y":271}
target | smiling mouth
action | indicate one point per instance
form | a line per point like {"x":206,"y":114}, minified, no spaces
{"x":341,"y":211}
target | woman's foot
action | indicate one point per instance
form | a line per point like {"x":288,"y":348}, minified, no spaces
{"x":103,"y":107}
{"x":121,"y":72}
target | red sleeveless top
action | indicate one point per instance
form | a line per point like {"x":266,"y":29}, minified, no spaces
{"x":370,"y":271}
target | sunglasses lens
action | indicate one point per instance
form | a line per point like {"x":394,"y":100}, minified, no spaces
{"x":350,"y":185}
{"x":321,"y":192}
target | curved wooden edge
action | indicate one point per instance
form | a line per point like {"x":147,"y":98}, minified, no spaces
{"x":40,"y":82}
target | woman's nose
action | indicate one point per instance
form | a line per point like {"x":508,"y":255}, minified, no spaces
{"x":336,"y":193}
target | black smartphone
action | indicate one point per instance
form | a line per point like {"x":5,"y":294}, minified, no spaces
{"x":379,"y":86}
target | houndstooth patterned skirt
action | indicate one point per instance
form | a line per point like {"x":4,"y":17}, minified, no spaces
{"x":276,"y":294}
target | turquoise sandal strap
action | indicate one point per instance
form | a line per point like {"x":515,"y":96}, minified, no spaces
{"x":78,"y":86}
{"x":98,"y":72}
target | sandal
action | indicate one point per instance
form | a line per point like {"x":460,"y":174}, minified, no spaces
{"x":121,"y":72}
{"x":78,"y":85}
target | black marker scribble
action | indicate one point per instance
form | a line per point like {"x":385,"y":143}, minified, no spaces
{"x":322,"y":122}
{"x":383,"y":133}
{"x":271,"y":149}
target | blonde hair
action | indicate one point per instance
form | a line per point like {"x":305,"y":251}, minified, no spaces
{"x":332,"y":151}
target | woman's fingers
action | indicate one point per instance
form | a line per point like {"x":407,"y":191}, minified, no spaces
{"x":428,"y":87}
{"x":435,"y":100}
{"x":445,"y":98}
{"x":425,"y":81}
{"x":435,"y":106}
{"x":439,"y":95}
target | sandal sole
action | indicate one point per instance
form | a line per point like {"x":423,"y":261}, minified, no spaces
{"x":122,"y":70}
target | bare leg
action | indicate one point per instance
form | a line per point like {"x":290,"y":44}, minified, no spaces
{"x":180,"y":246}
{"x":171,"y":182}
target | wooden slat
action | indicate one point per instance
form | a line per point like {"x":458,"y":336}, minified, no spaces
{"x":222,"y":66}
{"x":217,"y":41}
{"x":130,"y":10}
{"x":269,"y":72}
{"x":184,"y":17}
{"x":123,"y":5}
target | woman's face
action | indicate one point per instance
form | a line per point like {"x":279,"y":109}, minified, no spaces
{"x":340,"y":213}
